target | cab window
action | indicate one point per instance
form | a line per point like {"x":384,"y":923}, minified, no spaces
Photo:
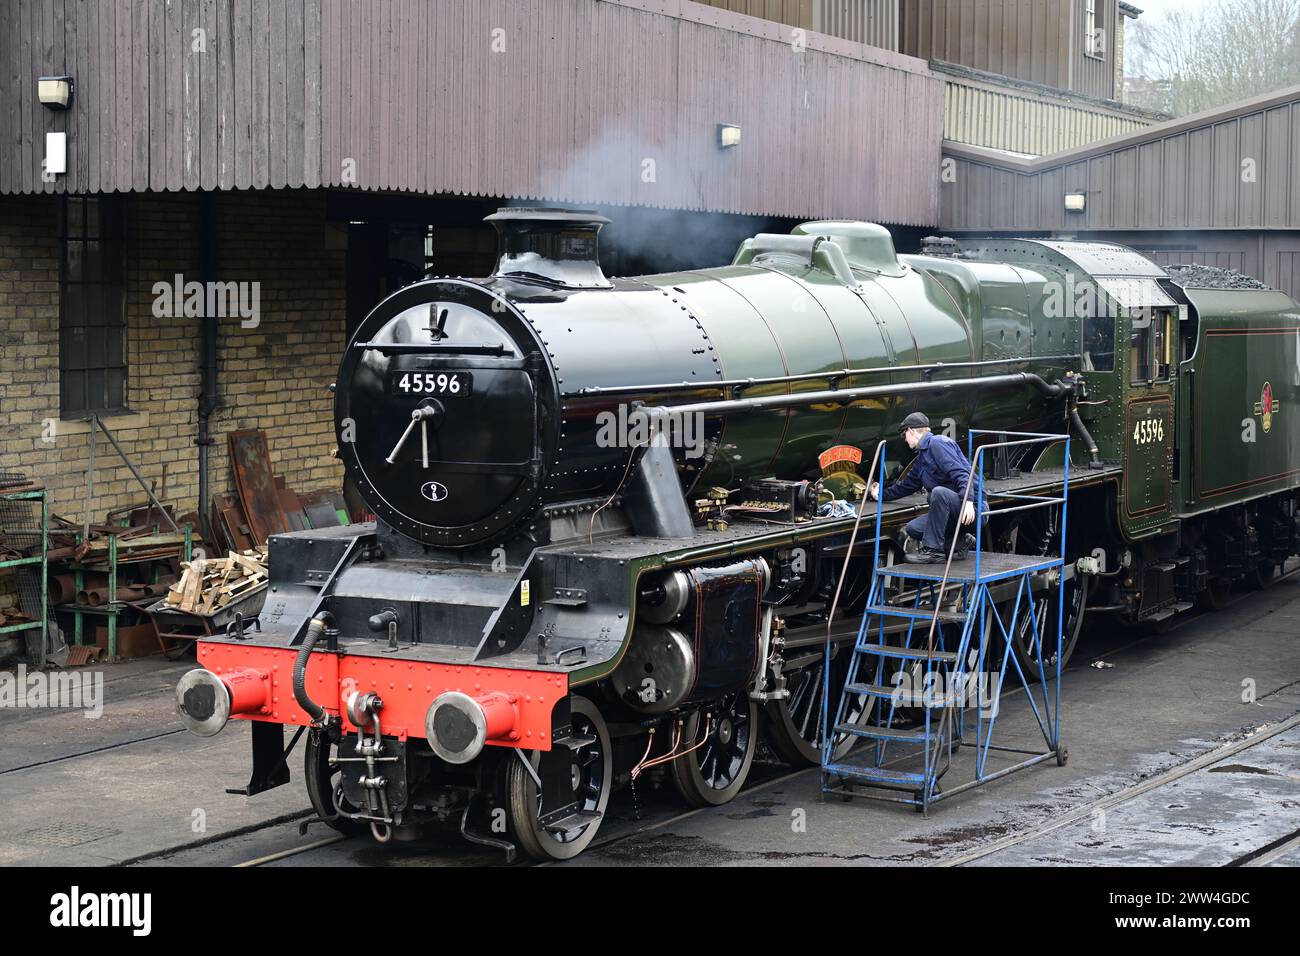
{"x":1099,"y":343}
{"x":1150,"y":344}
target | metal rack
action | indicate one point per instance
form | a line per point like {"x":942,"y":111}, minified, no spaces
{"x":32,"y":561}
{"x":112,"y":608}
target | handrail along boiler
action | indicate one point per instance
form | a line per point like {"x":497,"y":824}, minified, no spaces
{"x":549,"y":604}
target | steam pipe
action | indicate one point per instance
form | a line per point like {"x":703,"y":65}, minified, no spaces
{"x":832,"y":376}
{"x":315,"y":629}
{"x":1094,"y":460}
{"x":843,"y":396}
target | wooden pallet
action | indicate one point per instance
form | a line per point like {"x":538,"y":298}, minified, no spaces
{"x":208,"y":585}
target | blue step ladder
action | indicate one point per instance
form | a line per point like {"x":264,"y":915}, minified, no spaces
{"x":932,"y":654}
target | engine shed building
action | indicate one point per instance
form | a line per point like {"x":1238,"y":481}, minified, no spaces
{"x":1221,"y":188}
{"x":302,"y":158}
{"x":322,"y":152}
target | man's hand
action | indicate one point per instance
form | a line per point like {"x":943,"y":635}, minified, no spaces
{"x":968,"y":513}
{"x":874,"y":491}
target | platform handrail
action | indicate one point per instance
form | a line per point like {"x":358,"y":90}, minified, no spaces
{"x":977,"y":460}
{"x":877,"y":456}
{"x":853,"y":538}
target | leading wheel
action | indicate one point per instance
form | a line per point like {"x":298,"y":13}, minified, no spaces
{"x":726,"y":733}
{"x":591,"y":778}
{"x":325,"y":785}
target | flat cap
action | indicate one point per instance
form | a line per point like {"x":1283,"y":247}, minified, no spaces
{"x":914,"y":420}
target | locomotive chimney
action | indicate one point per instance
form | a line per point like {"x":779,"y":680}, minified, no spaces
{"x":555,"y":246}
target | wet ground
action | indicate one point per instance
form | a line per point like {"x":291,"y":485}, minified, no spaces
{"x":1168,"y":765}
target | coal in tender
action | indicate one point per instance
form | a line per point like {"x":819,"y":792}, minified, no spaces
{"x":1192,"y":276}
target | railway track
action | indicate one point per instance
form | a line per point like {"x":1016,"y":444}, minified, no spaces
{"x":596,"y":846}
{"x":1261,"y":856}
{"x":622,"y":834}
{"x":91,"y":751}
{"x":1268,"y":854}
{"x":1085,"y":812}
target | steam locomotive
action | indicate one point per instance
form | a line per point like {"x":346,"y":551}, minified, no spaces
{"x":605,"y":542}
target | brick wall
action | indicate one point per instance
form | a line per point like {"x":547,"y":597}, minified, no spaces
{"x":274,"y":376}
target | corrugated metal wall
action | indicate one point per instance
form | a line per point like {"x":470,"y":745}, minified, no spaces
{"x":794,"y":13}
{"x":1037,"y":40}
{"x":170,"y":94}
{"x":1272,"y":257}
{"x":638,"y":97}
{"x":614,"y":101}
{"x":1232,"y":169}
{"x":1019,"y":123}
{"x":873,"y":22}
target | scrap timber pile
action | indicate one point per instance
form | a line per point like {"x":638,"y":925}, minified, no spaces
{"x":208,"y":585}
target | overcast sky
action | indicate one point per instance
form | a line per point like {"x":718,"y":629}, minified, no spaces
{"x":1157,"y":8}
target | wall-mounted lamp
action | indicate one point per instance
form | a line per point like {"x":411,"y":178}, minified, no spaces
{"x":1076,"y":202}
{"x":728,"y":135}
{"x":54,"y":91}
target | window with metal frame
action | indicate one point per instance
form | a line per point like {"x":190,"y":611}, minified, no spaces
{"x":1094,"y":34}
{"x":1150,"y":345}
{"x":1099,"y":343}
{"x":92,"y":306}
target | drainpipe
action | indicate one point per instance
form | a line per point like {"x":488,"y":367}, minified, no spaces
{"x":208,"y":395}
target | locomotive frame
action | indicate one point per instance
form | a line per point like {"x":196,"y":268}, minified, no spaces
{"x":535,"y":619}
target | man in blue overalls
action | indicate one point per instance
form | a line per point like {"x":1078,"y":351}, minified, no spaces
{"x":942,"y":470}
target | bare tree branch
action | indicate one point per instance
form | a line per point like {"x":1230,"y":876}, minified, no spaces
{"x":1236,"y":49}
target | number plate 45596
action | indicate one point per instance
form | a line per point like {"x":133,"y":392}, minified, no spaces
{"x":443,"y":384}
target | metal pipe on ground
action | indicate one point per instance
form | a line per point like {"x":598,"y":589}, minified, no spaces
{"x":62,"y":588}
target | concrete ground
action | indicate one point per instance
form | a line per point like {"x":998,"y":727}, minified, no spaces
{"x":1167,"y":699}
{"x":131,"y":786}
